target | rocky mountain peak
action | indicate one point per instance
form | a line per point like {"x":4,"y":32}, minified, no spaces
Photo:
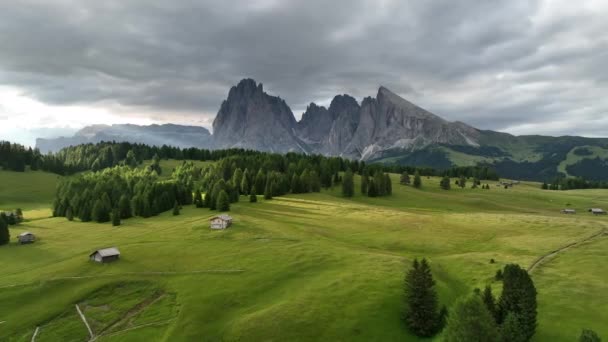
{"x":250,"y":118}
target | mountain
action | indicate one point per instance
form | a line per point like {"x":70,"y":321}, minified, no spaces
{"x":250,"y":118}
{"x":386,"y":129}
{"x":169,"y":134}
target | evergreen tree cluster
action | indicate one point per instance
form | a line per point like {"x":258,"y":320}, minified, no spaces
{"x":511,"y":318}
{"x":445,"y":183}
{"x":16,"y":157}
{"x":571,"y":183}
{"x":118,"y":193}
{"x":376,"y":185}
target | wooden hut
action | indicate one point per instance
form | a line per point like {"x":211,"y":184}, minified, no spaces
{"x":597,"y":211}
{"x":26,"y":237}
{"x":220,"y":222}
{"x":105,"y":255}
{"x":568,"y":211}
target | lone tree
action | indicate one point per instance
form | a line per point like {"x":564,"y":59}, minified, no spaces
{"x":470,"y":320}
{"x":518,"y":298}
{"x":268,"y":190}
{"x":348,"y":184}
{"x":5,"y":236}
{"x":223,"y":202}
{"x":175,"y":208}
{"x":372,"y":189}
{"x":588,"y":335}
{"x":421,"y":306}
{"x":116,"y":217}
{"x":417,"y":180}
{"x":405,"y":178}
{"x":462,"y":182}
{"x":445,"y":183}
{"x":253,"y":198}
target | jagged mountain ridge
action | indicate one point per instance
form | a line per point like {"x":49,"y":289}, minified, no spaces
{"x":251,"y":118}
{"x":385,"y":128}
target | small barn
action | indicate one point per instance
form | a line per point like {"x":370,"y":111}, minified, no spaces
{"x":597,"y":211}
{"x":568,"y":211}
{"x":26,"y":237}
{"x":105,"y":255}
{"x":220,"y":222}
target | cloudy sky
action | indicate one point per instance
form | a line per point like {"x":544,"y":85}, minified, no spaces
{"x":524,"y":67}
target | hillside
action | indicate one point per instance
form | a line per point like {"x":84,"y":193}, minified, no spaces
{"x":303,"y":267}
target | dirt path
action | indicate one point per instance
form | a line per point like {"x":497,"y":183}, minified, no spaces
{"x":84,"y":320}
{"x":35,"y":334}
{"x":542,"y":259}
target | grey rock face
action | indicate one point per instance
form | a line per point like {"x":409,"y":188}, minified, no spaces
{"x":315,"y":124}
{"x":390,"y":122}
{"x":250,"y":118}
{"x":158,"y":135}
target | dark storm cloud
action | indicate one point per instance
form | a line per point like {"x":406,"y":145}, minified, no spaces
{"x":495,"y":64}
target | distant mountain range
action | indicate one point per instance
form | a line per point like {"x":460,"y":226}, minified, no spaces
{"x":385,"y":128}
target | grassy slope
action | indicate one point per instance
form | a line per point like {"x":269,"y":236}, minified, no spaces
{"x":32,"y":191}
{"x":572,"y":158}
{"x":314,"y":266}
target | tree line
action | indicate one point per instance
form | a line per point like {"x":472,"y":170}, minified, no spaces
{"x":571,"y":183}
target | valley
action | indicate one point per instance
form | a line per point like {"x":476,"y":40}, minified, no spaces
{"x":303,"y":267}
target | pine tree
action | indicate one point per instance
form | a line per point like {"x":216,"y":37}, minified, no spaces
{"x":348,"y":184}
{"x":253,"y":198}
{"x":116,"y":217}
{"x":462,"y":182}
{"x":545,"y":186}
{"x":100,"y":213}
{"x":19,"y":215}
{"x":372,"y":191}
{"x":260,"y":183}
{"x":489,"y":300}
{"x":198,"y":199}
{"x":588,"y":335}
{"x":445,"y":183}
{"x":405,"y":178}
{"x":295,"y":184}
{"x":85,"y":212}
{"x":69,"y":214}
{"x":388,"y":184}
{"x":421,"y":307}
{"x":146,"y":208}
{"x":519,"y":298}
{"x":511,"y":331}
{"x":364,"y":183}
{"x":5,"y":235}
{"x":223,"y":202}
{"x":124,"y":207}
{"x":470,"y":321}
{"x":268,"y":189}
{"x":175,"y":209}
{"x":245,"y":186}
{"x":417,"y":180}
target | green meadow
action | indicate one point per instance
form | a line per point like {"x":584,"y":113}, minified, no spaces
{"x":305,"y":267}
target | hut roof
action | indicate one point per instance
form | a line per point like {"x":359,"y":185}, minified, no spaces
{"x":25,"y":234}
{"x":105,"y":252}
{"x":223,"y":217}
{"x":597,"y":210}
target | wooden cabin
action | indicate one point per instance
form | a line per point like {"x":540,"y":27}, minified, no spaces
{"x":597,"y":211}
{"x":26,"y":237}
{"x":220,"y":222}
{"x":105,"y":255}
{"x":568,"y":211}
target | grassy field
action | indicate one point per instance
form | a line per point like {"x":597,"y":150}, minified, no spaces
{"x":301,"y":267}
